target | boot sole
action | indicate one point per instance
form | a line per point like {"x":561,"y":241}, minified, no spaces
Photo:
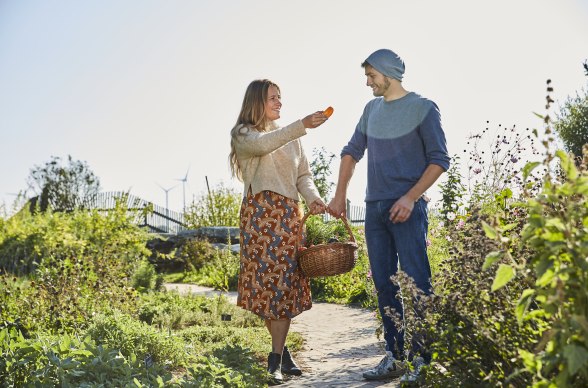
{"x":292,"y":373}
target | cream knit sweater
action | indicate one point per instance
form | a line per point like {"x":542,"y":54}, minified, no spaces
{"x":275,"y":161}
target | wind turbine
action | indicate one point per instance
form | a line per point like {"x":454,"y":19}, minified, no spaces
{"x":184,"y":180}
{"x":166,"y":203}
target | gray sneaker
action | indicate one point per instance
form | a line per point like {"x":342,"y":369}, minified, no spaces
{"x":413,"y":374}
{"x":387,"y":368}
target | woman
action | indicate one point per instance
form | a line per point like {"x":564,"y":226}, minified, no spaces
{"x":273,"y":167}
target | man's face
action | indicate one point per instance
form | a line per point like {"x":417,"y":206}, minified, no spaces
{"x":377,"y":81}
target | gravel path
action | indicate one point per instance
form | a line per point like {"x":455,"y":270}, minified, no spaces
{"x":340,"y":343}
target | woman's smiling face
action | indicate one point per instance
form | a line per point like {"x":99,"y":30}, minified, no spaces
{"x":273,"y":103}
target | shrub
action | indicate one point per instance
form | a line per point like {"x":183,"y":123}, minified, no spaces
{"x":220,"y":272}
{"x":64,"y":294}
{"x":230,"y":366}
{"x":145,"y":278}
{"x":195,"y":253}
{"x":131,"y":336}
{"x":170,"y":310}
{"x":69,"y":361}
{"x":27,"y":239}
{"x":218,"y":207}
{"x":470,"y":328}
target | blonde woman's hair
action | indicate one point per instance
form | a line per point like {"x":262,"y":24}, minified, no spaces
{"x":252,"y":115}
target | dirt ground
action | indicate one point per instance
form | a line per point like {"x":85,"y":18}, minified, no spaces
{"x":340,"y":343}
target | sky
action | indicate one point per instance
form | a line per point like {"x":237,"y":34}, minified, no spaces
{"x":146,"y":91}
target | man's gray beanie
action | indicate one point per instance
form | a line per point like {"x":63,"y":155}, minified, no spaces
{"x":387,"y":62}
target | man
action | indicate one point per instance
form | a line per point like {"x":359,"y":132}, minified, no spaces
{"x":407,"y":154}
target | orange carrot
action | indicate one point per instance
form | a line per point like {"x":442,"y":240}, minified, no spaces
{"x":328,"y":112}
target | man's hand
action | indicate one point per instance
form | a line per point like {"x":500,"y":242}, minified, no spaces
{"x":337,"y":207}
{"x":401,"y":210}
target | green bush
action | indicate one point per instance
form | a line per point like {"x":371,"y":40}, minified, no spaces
{"x":170,"y":310}
{"x":195,"y":253}
{"x":471,"y":329}
{"x":64,"y":294}
{"x":68,"y":361}
{"x":146,"y":278}
{"x":27,"y":239}
{"x":219,"y":272}
{"x":218,"y":207}
{"x":557,"y":303}
{"x":131,"y":336}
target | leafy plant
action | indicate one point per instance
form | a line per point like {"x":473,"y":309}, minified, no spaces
{"x":218,"y":207}
{"x":452,"y":191}
{"x":557,"y":304}
{"x":220,"y":272}
{"x":195,"y":253}
{"x":131,"y":336}
{"x":145,"y":277}
{"x":69,"y":361}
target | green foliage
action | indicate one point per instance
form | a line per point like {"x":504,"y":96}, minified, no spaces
{"x":220,"y":272}
{"x":121,"y":331}
{"x":69,"y":361}
{"x":218,"y":207}
{"x":452,"y":191}
{"x":170,"y":310}
{"x":317,"y":231}
{"x":195,"y":253}
{"x":354,"y":287}
{"x":555,"y":237}
{"x":511,"y":301}
{"x":77,"y":263}
{"x":145,"y":277}
{"x":472,"y":331}
{"x":28,"y":239}
{"x":211,"y":372}
{"x":73,"y":318}
{"x":65,"y":294}
{"x":439,"y":243}
{"x":320,"y":166}
{"x":571,"y":123}
{"x":63,"y":187}
{"x":556,"y":232}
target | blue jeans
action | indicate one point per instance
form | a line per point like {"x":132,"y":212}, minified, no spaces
{"x":388,"y":246}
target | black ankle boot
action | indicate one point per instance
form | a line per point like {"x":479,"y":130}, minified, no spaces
{"x":274,"y":366}
{"x":289,"y":367}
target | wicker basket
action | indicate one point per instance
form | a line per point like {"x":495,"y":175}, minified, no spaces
{"x":327,"y":259}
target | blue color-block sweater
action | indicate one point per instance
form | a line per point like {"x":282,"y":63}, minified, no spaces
{"x":402,"y":137}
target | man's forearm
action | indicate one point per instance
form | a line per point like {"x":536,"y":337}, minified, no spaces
{"x":429,"y":177}
{"x":346,"y":169}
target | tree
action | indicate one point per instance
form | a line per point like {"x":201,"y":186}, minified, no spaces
{"x":571,"y":122}
{"x":63,"y":187}
{"x":321,"y":170}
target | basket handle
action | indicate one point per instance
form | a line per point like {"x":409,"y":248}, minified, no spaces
{"x":299,"y":235}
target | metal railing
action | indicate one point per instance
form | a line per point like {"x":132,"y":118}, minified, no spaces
{"x":355,"y":214}
{"x":157,"y":218}
{"x":161,"y":220}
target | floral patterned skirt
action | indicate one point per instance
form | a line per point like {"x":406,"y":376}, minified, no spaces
{"x":271,"y":284}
